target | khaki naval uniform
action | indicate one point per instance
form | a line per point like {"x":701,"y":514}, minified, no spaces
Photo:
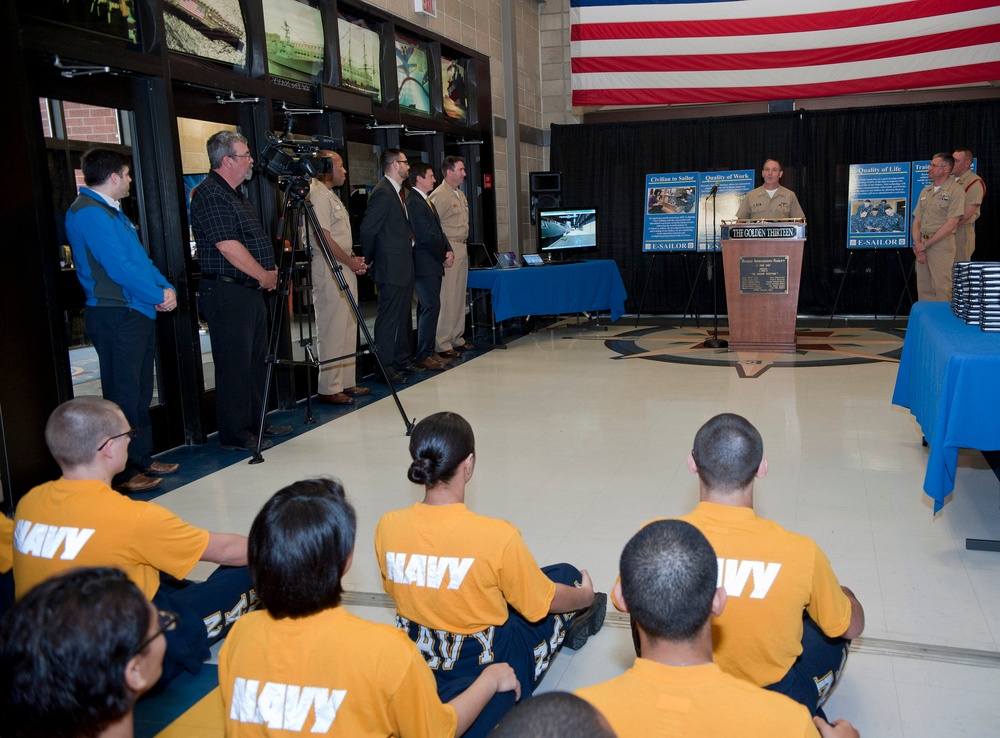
{"x":336,"y":324}
{"x":965,"y":237}
{"x":453,"y":211}
{"x":933,"y":210}
{"x":758,"y":205}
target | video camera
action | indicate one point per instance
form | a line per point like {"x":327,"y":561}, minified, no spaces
{"x":284,"y":157}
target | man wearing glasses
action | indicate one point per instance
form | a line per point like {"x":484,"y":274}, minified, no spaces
{"x":387,"y":244}
{"x":77,"y":652}
{"x":78,"y":520}
{"x":939,"y":208}
{"x":237,"y":263}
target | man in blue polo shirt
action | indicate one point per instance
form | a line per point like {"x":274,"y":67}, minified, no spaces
{"x":124,"y":291}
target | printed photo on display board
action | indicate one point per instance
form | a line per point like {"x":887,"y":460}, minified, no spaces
{"x":670,"y":212}
{"x":293,"y":30}
{"x":878,"y":206}
{"x":210,"y":29}
{"x":360,"y":61}
{"x":411,"y":74}
{"x":722,"y":206}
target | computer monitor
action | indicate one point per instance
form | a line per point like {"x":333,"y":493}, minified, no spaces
{"x":565,"y":232}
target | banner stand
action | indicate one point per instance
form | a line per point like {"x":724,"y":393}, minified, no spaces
{"x":687,"y":280}
{"x":905,"y":292}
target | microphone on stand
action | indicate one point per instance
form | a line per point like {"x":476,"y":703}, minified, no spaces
{"x":715,"y":189}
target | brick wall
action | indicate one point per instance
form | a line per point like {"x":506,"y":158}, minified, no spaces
{"x":89,"y":123}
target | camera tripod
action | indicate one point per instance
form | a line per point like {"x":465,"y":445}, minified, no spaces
{"x":298,"y":220}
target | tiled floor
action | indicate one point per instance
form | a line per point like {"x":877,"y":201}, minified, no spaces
{"x":578,"y":449}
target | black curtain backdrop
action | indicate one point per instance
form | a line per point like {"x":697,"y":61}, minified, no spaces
{"x":606,"y":165}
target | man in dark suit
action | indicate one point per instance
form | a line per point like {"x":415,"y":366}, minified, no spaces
{"x":387,"y":245}
{"x":431,"y":254}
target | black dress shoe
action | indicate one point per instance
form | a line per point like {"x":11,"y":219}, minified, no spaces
{"x":395,"y":377}
{"x":246,"y":440}
{"x":411,"y":368}
{"x":278,"y":430}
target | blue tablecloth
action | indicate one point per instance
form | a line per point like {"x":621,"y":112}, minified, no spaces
{"x":949,"y":378}
{"x":553,"y":289}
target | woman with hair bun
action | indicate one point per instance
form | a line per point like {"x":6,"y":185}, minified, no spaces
{"x":467,"y":590}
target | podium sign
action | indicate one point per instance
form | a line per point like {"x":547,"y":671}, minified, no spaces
{"x":764,"y":230}
{"x":763,"y":267}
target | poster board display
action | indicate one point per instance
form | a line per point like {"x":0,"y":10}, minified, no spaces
{"x":879,"y":205}
{"x":670,"y":212}
{"x":732,"y":188}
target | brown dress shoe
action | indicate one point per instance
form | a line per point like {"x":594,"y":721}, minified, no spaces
{"x":450,"y":353}
{"x":160,"y":468}
{"x":442,"y":359}
{"x":431,"y":364}
{"x":357,"y":391}
{"x":336,"y":399}
{"x":139,"y":483}
{"x":465,"y":347}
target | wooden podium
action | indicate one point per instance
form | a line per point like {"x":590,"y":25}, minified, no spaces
{"x":763,"y":266}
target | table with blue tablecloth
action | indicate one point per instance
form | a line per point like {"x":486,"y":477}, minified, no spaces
{"x":949,"y":378}
{"x":554,"y":289}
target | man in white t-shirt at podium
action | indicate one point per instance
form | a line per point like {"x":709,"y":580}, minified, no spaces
{"x":770,"y":201}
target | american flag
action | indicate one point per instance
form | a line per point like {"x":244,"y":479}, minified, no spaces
{"x":658,"y":52}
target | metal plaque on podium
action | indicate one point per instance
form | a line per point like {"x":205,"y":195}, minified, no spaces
{"x":762,"y":261}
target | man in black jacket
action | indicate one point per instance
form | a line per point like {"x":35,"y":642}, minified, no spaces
{"x":387,"y":245}
{"x":431,"y":254}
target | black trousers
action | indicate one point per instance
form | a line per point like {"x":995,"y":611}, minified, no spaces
{"x":392,"y":324}
{"x":428,"y":291}
{"x":237,"y":324}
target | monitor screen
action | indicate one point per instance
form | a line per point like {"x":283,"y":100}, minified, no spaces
{"x":567,"y":229}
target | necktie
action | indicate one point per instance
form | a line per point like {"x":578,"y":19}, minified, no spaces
{"x":402,"y":199}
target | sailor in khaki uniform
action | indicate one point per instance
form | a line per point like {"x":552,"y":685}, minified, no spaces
{"x":453,"y":210}
{"x":336,"y":324}
{"x":975,"y":190}
{"x":770,"y":201}
{"x":935,"y":217}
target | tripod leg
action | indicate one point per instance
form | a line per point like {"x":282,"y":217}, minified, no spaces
{"x":692,"y":285}
{"x":645,"y":286}
{"x":836,"y":300}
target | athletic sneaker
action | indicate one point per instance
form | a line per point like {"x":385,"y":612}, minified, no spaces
{"x":586,"y":623}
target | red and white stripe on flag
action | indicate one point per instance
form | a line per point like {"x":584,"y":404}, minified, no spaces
{"x":659,"y":52}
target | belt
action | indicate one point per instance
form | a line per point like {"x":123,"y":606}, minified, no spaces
{"x":251,"y":283}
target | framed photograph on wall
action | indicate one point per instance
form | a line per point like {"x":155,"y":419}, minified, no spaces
{"x":293,"y":30}
{"x":413,"y":75}
{"x":360,"y":60}
{"x":455,"y":88}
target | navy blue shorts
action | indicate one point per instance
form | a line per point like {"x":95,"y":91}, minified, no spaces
{"x":207,"y":611}
{"x":529,"y":648}
{"x":816,"y":672}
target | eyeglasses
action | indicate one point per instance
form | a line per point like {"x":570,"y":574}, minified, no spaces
{"x":402,"y":161}
{"x":247,"y":155}
{"x":131,"y":433}
{"x":167,"y":622}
